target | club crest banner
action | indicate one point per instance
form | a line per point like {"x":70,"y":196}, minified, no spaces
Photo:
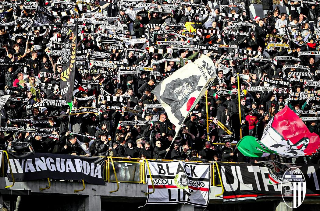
{"x":252,"y":182}
{"x":178,"y":182}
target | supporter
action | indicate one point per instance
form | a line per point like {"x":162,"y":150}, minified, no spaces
{"x":207,"y":153}
{"x":175,"y":152}
{"x":252,"y":122}
{"x":186,"y":153}
{"x":187,"y":137}
{"x":262,"y":123}
{"x":139,"y":146}
{"x":138,"y":27}
{"x":314,"y":127}
{"x":168,"y":140}
{"x":100,"y":146}
{"x":115,"y":150}
{"x":194,"y":156}
{"x":159,"y":152}
{"x":146,"y":152}
{"x":34,"y":63}
{"x":227,"y":153}
{"x":30,"y":99}
{"x":9,"y":77}
{"x":192,"y":125}
{"x":131,"y":151}
{"x":271,"y":102}
{"x":281,"y":24}
{"x":147,"y":86}
{"x":132,"y":100}
{"x":72,"y":147}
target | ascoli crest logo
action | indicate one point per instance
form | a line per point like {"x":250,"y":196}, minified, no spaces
{"x":293,"y":187}
{"x":181,"y":181}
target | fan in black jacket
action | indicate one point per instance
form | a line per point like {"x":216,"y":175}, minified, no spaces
{"x":227,"y":153}
{"x":131,"y":151}
{"x":146,"y":152}
{"x":138,"y":26}
{"x":72,"y":147}
{"x":159,"y":152}
{"x":100,"y":147}
{"x":175,"y":153}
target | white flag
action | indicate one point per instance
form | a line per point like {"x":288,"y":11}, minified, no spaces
{"x":180,"y":92}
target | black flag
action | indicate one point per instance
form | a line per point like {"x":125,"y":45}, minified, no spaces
{"x":68,"y":72}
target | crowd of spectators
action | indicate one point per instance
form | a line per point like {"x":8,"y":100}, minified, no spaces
{"x":114,"y":111}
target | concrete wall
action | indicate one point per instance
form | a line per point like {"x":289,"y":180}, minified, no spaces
{"x":125,"y":189}
{"x":128,"y":197}
{"x":61,"y":195}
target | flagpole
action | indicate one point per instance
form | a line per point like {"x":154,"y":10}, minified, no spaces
{"x":239,"y":104}
{"x":174,"y":138}
{"x":207,"y":111}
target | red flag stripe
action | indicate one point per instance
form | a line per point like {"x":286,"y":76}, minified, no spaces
{"x":190,"y":103}
{"x":240,"y":196}
{"x":197,"y":188}
{"x":253,"y":195}
{"x":173,"y":186}
{"x":162,"y":186}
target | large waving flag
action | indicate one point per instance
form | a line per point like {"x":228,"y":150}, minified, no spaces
{"x":68,"y":69}
{"x":180,"y":92}
{"x":285,"y":135}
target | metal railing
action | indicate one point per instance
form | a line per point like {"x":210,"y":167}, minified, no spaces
{"x":135,"y":170}
{"x":124,"y":170}
{"x":216,"y":177}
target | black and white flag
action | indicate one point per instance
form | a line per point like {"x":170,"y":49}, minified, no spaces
{"x":180,"y":92}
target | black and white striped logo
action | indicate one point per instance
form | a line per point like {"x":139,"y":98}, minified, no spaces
{"x":293,"y":188}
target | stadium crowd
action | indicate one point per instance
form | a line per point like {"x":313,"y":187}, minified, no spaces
{"x":114,"y":111}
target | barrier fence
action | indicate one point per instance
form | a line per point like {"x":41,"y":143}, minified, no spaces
{"x":124,"y":170}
